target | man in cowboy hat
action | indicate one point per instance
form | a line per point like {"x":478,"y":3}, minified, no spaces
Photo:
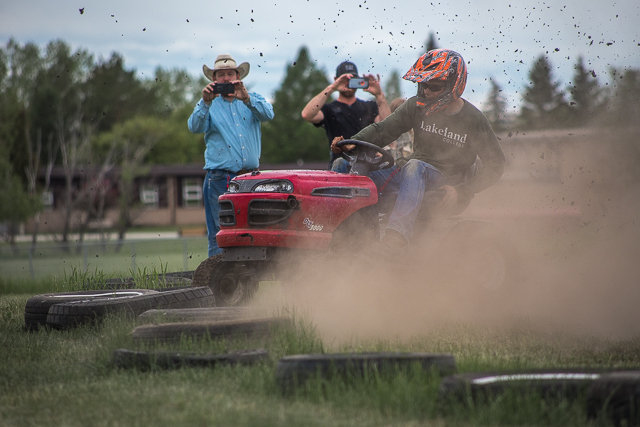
{"x":230,"y":118}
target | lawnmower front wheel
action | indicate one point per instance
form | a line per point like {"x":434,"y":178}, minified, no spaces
{"x":233,"y":283}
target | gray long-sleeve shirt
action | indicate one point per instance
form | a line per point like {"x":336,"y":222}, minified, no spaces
{"x":447,"y":142}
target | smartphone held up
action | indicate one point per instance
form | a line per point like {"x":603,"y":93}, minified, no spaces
{"x":224,"y":88}
{"x":358,"y":83}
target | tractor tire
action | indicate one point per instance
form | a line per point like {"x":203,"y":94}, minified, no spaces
{"x":171,"y":332}
{"x":615,"y":397}
{"x":37,"y":307}
{"x":143,"y":360}
{"x":68,"y":315}
{"x":232,"y":283}
{"x":294,"y":371}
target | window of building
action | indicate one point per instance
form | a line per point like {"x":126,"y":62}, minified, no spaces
{"x":192,"y":193}
{"x":47,"y":200}
{"x":149,"y":196}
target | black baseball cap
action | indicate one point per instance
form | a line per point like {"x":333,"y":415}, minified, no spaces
{"x":346,"y":67}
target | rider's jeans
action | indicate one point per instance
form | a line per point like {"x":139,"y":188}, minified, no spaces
{"x":215,"y":184}
{"x":409,"y":183}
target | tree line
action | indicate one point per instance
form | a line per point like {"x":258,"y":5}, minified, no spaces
{"x":67,"y":109}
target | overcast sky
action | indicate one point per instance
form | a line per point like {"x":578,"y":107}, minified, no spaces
{"x":498,"y":39}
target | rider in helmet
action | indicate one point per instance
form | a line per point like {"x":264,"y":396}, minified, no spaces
{"x":439,"y":66}
{"x":450,"y":135}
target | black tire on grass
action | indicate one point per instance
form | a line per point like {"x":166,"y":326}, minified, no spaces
{"x":546,"y":383}
{"x":174,"y":288}
{"x":68,"y":315}
{"x":209,"y":314}
{"x":294,"y":371}
{"x":250,"y":328}
{"x":37,"y":307}
{"x":179,"y":280}
{"x":180,"y":274}
{"x":615,"y":397}
{"x":145,"y":360}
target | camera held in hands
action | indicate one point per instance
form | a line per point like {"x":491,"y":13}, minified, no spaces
{"x":224,"y":88}
{"x":358,"y":83}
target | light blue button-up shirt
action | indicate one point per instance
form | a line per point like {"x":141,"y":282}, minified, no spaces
{"x":231,"y":131}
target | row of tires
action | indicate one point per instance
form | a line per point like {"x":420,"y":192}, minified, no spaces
{"x":64,"y":310}
{"x":614,"y":395}
{"x":611,"y":395}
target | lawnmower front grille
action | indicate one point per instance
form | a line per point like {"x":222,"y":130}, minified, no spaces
{"x":268,"y":212}
{"x":227,"y":215}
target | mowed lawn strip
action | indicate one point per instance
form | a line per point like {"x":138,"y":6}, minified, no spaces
{"x":50,"y":260}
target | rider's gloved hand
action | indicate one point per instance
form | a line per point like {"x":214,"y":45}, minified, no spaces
{"x":335,"y":149}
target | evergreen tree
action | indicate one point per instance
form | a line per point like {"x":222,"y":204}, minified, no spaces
{"x":625,"y":102}
{"x":585,"y":94}
{"x":496,"y":107}
{"x":431,"y":43}
{"x":543,"y":103}
{"x":288,"y":137}
{"x":392,"y":88}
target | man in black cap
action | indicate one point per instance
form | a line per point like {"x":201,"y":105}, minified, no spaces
{"x":347,"y":115}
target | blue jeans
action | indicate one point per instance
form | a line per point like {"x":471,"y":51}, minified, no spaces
{"x":408,"y":183}
{"x":215,"y":184}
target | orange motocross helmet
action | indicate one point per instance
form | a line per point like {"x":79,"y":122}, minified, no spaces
{"x":439,"y":65}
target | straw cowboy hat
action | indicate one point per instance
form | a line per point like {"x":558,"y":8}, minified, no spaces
{"x":226,"y":62}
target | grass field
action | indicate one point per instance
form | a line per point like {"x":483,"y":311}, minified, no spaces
{"x":65,"y":378}
{"x":50,"y":262}
{"x":575,"y":306}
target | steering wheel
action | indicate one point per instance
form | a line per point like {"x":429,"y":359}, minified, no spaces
{"x":365,"y":157}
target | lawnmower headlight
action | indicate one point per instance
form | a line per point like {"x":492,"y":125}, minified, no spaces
{"x":234,"y":187}
{"x":281,"y":186}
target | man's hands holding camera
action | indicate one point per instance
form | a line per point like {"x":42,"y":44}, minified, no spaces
{"x":232,"y":89}
{"x":370,"y":84}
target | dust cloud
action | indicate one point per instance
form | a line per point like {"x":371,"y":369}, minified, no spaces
{"x":576,"y":235}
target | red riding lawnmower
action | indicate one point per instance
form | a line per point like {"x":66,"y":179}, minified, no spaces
{"x":268,"y":218}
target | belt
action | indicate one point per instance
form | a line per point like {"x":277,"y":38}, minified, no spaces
{"x":243,"y":171}
{"x":240,"y":172}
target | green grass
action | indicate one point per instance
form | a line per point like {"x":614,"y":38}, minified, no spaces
{"x":49,"y":262}
{"x":76,"y":280}
{"x":65,"y":378}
